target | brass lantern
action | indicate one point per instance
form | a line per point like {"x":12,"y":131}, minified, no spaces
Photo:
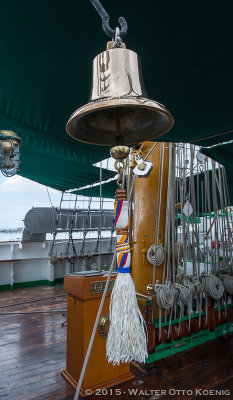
{"x":9,"y":152}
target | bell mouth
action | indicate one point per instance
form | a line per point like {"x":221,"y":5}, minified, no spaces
{"x":121,"y":121}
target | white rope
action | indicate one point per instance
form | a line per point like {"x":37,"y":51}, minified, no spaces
{"x":184,"y":293}
{"x":49,"y":196}
{"x":158,"y":208}
{"x":213,"y":286}
{"x":156,"y":254}
{"x":164,"y":296}
{"x":126,"y":337}
{"x":53,"y":259}
{"x":228,"y":284}
{"x":197,"y":286}
{"x":177,"y":250}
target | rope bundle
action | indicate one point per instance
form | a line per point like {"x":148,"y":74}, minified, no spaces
{"x":213,"y":286}
{"x":156,"y":254}
{"x":184,"y":293}
{"x":53,"y":259}
{"x":191,"y":287}
{"x":197,"y":285}
{"x":164,"y":296}
{"x":228,"y":284}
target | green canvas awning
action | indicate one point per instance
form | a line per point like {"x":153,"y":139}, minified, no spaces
{"x":47,"y":50}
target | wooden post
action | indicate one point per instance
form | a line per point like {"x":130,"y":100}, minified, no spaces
{"x":145,"y":210}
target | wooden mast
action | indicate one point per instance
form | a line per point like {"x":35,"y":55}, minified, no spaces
{"x":144,"y":222}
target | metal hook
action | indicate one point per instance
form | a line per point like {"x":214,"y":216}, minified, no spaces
{"x":105,"y":21}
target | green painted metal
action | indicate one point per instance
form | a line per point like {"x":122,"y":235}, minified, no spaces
{"x":43,"y":282}
{"x":176,"y":346}
{"x":186,"y":318}
{"x":27,"y":284}
{"x":32,"y":284}
{"x":174,"y":321}
{"x":46,"y":72}
{"x":5,"y":287}
{"x":58,"y":281}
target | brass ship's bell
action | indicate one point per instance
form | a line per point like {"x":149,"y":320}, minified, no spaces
{"x":119,"y":112}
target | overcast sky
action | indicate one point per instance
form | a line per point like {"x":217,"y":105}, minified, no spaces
{"x":18,"y":195}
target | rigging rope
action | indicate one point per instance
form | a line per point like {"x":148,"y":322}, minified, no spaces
{"x":228,"y":284}
{"x":156,"y":254}
{"x":213,"y":286}
{"x":164,"y":295}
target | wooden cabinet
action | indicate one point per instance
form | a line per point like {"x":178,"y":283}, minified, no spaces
{"x":82,"y":308}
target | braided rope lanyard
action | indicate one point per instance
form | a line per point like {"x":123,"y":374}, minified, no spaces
{"x":121,"y":218}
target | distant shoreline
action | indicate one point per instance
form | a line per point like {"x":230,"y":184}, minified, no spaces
{"x":11,"y":230}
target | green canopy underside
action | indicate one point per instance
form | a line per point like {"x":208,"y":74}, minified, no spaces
{"x":47,"y":50}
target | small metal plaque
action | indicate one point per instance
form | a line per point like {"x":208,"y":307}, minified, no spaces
{"x":98,"y":287}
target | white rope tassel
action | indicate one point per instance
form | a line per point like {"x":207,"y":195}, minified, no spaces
{"x":127,"y":339}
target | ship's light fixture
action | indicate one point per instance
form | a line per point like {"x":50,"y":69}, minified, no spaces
{"x":9,"y":152}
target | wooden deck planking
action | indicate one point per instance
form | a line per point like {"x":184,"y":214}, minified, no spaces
{"x":33,"y":354}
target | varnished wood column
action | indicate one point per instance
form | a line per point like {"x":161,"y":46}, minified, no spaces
{"x":144,"y":224}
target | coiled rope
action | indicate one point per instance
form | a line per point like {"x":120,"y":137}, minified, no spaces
{"x":156,"y":254}
{"x":228,"y":284}
{"x":213,"y":286}
{"x":185,"y":293}
{"x":165,"y":301}
{"x":164,"y":296}
{"x":53,"y":259}
{"x":197,"y":285}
